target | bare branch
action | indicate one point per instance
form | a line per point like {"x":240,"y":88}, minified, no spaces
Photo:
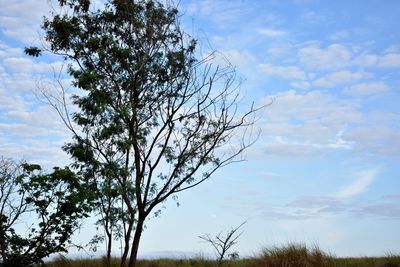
{"x":222,"y":243}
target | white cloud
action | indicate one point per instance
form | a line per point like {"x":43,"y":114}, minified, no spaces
{"x":366,"y":60}
{"x":300,"y":84}
{"x":238,"y":57}
{"x":393,"y":48}
{"x":389,"y":61}
{"x":23,"y":65}
{"x":221,"y":12}
{"x":289,"y":72}
{"x":377,"y":140}
{"x":315,"y":123}
{"x":340,"y":77}
{"x":21,"y":19}
{"x":359,"y":185}
{"x":19,"y":130}
{"x":47,"y":154}
{"x":384,"y":118}
{"x":7,"y":51}
{"x":339,"y":35}
{"x":386,"y":210}
{"x":271,"y":33}
{"x":307,"y":207}
{"x":308,"y":124}
{"x":311,"y":17}
{"x":364,"y":89}
{"x":27,"y":128}
{"x":334,"y":56}
{"x":10,"y":101}
{"x":280,"y":49}
{"x":44,"y":128}
{"x":19,"y":64}
{"x":338,"y":56}
{"x":285,"y":147}
{"x":312,"y":107}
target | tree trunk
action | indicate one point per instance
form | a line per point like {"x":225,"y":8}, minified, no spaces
{"x":109,"y":247}
{"x":3,"y":245}
{"x":127,"y":238}
{"x":135,"y":244}
{"x":220,"y":261}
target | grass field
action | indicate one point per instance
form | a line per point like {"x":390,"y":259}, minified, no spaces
{"x":293,"y":255}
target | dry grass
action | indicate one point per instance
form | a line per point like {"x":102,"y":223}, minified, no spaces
{"x":292,"y":255}
{"x":296,"y":255}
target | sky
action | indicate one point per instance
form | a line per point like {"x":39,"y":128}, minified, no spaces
{"x":325,"y":169}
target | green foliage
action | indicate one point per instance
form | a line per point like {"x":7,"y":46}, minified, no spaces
{"x":33,"y":51}
{"x":57,"y":201}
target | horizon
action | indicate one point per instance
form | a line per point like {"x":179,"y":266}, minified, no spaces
{"x":325,"y":169}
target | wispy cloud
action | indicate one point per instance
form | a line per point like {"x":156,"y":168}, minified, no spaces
{"x":364,"y":89}
{"x":271,"y":33}
{"x":339,"y":35}
{"x":221,"y":12}
{"x":338,"y":56}
{"x":334,"y":56}
{"x":308,"y":124}
{"x":20,"y":19}
{"x":390,"y":61}
{"x":362,"y":182}
{"x":385,"y":210}
{"x":366,"y":60}
{"x":310,"y":17}
{"x":314,"y":207}
{"x":286,"y":72}
{"x":297,"y":77}
{"x":341,"y":77}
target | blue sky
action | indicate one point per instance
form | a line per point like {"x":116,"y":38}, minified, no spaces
{"x":325,"y":169}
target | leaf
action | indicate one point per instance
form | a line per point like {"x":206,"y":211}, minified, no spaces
{"x":33,"y":51}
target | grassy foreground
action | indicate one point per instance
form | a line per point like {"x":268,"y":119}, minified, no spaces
{"x":288,"y":256}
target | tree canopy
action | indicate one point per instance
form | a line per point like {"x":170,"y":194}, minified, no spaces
{"x":155,"y":118}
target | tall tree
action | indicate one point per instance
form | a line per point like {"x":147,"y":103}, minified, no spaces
{"x":156,"y":117}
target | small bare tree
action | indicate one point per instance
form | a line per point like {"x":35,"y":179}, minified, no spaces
{"x":222,"y":242}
